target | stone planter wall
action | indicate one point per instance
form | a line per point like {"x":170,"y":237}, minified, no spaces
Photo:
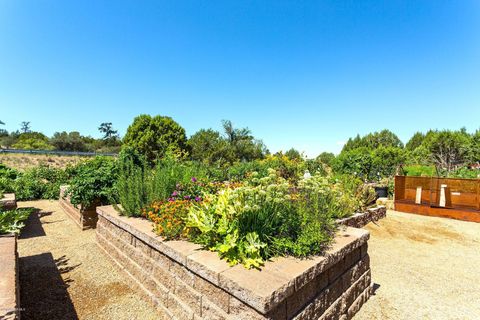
{"x":186,"y":282}
{"x":9,"y":283}
{"x":84,"y":218}
{"x":9,"y":201}
{"x":359,"y":220}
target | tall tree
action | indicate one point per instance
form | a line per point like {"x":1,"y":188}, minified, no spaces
{"x":25,"y":126}
{"x":415,"y":141}
{"x":448,"y":148}
{"x":107,"y":130}
{"x":71,"y":141}
{"x":243,"y":146}
{"x":208,"y":146}
{"x":155,"y":136}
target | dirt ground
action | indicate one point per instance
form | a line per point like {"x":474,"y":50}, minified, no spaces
{"x":423,"y":268}
{"x":25,"y":161}
{"x":63,"y":275}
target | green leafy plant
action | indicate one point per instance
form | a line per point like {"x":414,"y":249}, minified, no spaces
{"x":263,"y":218}
{"x":11,"y":221}
{"x":94,"y":182}
{"x":132,"y":183}
{"x":41,"y":182}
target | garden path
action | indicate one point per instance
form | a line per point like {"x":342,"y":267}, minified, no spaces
{"x":423,"y":268}
{"x":63,"y":275}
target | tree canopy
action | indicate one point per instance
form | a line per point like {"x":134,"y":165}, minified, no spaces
{"x":155,"y":136}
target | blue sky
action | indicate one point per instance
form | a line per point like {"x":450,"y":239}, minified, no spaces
{"x":298,"y":74}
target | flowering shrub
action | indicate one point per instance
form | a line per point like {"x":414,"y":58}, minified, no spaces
{"x":262,"y":217}
{"x":257,"y":221}
{"x":168,"y":218}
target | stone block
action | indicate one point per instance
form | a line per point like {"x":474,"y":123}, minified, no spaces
{"x":212,"y":293}
{"x":188,"y":296}
{"x":207,"y":265}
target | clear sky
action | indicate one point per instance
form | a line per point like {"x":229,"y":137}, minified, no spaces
{"x":297,"y":73}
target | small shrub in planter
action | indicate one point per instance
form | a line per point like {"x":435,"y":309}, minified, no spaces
{"x":93,"y":183}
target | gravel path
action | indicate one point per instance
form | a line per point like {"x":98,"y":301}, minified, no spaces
{"x":424,"y":268}
{"x":64,"y":275}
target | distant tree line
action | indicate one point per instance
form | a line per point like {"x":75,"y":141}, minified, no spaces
{"x":370,"y":157}
{"x":380,"y":154}
{"x":25,"y":138}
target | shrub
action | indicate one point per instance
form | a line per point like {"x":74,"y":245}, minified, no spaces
{"x":33,"y":141}
{"x":154,"y":136}
{"x":169,"y":172}
{"x":41,"y":182}
{"x":7,"y":177}
{"x":132,"y":184}
{"x":94,"y":181}
{"x":168,"y":218}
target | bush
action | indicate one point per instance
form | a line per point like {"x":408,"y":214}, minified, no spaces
{"x":7,"y":177}
{"x":41,"y":182}
{"x":94,"y":182}
{"x":132,"y":184}
{"x":154,"y":136}
{"x":169,"y":172}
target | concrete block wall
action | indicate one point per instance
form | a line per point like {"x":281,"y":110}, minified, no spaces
{"x":9,"y":282}
{"x":185,"y":282}
{"x":359,"y":220}
{"x":8,"y":201}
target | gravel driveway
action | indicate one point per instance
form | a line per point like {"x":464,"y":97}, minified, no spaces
{"x":423,"y":268}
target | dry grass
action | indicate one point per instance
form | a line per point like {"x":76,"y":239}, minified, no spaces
{"x":423,"y":268}
{"x":25,"y":161}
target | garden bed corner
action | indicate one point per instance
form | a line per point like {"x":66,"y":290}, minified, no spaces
{"x":186,"y":282}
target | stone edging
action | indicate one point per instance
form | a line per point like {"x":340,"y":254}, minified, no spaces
{"x":9,"y":284}
{"x":285,"y":287}
{"x":359,"y":220}
{"x":9,"y":201}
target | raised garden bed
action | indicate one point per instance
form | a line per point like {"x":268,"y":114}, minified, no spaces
{"x":9,"y":284}
{"x":186,"y":282}
{"x":8,"y":201}
{"x":84,"y":217}
{"x":359,"y":220}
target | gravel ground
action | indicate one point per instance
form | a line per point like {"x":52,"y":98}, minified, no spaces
{"x":423,"y":268}
{"x":63,"y":275}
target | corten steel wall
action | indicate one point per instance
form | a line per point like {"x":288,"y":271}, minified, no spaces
{"x":462,"y":197}
{"x":185,"y":282}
